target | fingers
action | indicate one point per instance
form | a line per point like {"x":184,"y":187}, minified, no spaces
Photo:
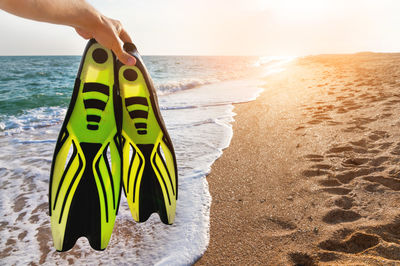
{"x":124,"y":36}
{"x":123,"y":56}
{"x":109,"y":33}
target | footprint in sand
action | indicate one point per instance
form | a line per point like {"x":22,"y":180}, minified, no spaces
{"x":359,"y":124}
{"x":388,"y":182}
{"x":389,"y":232}
{"x":374,"y":188}
{"x":355,"y":243}
{"x":378,"y":161}
{"x":363,"y":143}
{"x":378,"y":134}
{"x":322,"y":166}
{"x":396,"y":150}
{"x":344,"y":202}
{"x":320,"y":113}
{"x":313,"y":173}
{"x":319,"y":117}
{"x":299,"y":258}
{"x":346,"y":148}
{"x":384,"y":146}
{"x":388,"y":251}
{"x":317,"y":170}
{"x":336,"y":216}
{"x":362,"y":120}
{"x":395,"y":173}
{"x":340,"y":149}
{"x":347,"y":176}
{"x":376,"y":240}
{"x":362,"y":146}
{"x":329,"y":183}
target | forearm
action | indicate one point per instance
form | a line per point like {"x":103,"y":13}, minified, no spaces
{"x":75,"y":13}
{"x":86,"y":20}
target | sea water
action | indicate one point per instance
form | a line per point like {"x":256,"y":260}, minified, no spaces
{"x":195,"y":95}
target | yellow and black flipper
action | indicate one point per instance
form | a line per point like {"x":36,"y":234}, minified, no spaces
{"x":150,"y":170}
{"x":85,"y":179}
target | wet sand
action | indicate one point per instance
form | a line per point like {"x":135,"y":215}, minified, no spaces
{"x":312,"y":175}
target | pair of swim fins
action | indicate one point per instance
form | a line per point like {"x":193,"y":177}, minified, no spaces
{"x":113,"y":136}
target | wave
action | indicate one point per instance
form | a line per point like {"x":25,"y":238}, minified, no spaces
{"x":186,"y":84}
{"x":31,"y":119}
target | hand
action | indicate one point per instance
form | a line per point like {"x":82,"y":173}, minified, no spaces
{"x":108,"y":32}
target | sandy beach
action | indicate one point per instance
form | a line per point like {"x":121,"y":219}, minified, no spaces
{"x":312,"y":175}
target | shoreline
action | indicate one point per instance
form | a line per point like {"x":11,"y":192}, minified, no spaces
{"x":310,"y":176}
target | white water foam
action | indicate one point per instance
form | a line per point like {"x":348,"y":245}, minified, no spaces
{"x":32,"y":119}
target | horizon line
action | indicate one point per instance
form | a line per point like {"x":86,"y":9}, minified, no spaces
{"x":215,"y":55}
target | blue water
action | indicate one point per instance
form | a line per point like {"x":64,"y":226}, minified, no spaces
{"x":195,"y":95}
{"x":42,"y":82}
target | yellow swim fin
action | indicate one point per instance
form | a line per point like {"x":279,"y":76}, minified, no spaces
{"x":85,"y":178}
{"x":150,"y":177}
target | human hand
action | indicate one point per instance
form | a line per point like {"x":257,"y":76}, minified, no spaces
{"x":108,"y":32}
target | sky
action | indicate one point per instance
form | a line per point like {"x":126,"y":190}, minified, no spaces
{"x":224,"y":27}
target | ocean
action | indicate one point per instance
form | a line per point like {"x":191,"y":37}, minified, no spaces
{"x":196,"y":96}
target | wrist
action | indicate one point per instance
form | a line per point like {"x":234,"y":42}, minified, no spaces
{"x":86,"y":18}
